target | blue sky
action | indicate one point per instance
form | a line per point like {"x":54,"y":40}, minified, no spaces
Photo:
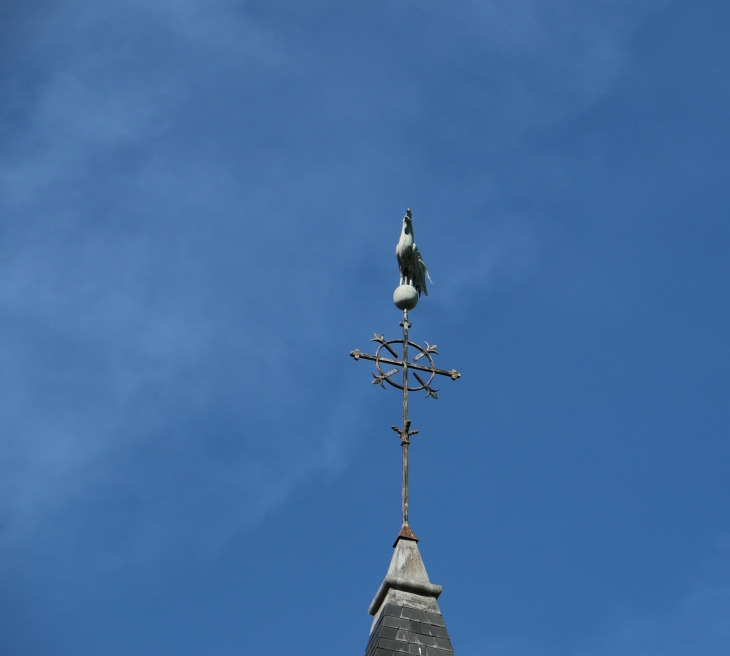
{"x":200,"y":203}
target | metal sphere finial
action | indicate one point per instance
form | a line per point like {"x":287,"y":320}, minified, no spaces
{"x":405,"y":297}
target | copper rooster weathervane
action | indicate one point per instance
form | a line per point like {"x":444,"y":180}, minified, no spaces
{"x":413,"y":275}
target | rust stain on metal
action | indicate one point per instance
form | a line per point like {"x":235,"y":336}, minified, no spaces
{"x":406,"y":533}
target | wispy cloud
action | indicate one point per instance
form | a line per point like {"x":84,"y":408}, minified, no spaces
{"x":177,"y":191}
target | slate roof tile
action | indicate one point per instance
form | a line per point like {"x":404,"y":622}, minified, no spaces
{"x":403,"y":630}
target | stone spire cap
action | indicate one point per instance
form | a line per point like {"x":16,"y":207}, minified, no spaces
{"x":406,"y":573}
{"x":407,"y":619}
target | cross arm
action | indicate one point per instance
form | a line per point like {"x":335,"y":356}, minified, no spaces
{"x":357,"y":354}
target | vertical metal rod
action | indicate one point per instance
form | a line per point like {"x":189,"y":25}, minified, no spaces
{"x":405,"y":439}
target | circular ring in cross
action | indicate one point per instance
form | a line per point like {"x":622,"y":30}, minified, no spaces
{"x":386,"y":376}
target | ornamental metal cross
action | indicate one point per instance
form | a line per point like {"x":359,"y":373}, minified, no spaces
{"x":428,"y":372}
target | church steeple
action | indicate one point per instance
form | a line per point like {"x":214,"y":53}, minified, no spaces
{"x":407,"y":617}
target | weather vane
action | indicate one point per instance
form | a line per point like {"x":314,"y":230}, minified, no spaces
{"x":413,"y":274}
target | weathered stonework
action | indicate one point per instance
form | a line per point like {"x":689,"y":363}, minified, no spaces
{"x":407,"y":616}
